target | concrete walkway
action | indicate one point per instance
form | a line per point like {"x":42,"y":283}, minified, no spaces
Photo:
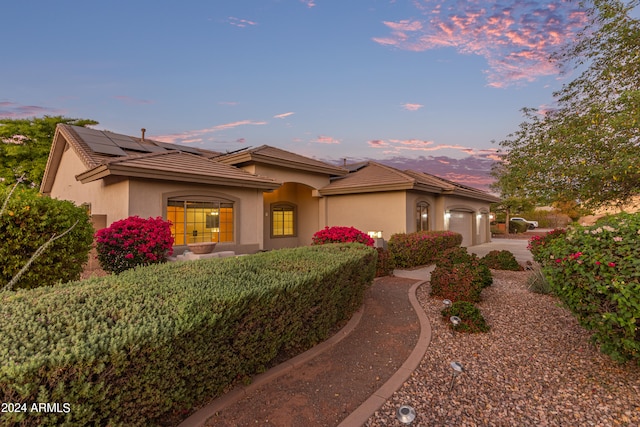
{"x":358,"y":417}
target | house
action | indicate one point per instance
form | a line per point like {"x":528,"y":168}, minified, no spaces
{"x":254,"y":199}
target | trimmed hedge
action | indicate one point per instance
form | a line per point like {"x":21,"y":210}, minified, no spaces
{"x":422,"y":247}
{"x":501,"y":260}
{"x":28,"y":222}
{"x":151,"y":343}
{"x":595,"y":271}
{"x":471,"y":319}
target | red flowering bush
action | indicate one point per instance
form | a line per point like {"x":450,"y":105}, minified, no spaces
{"x":134,"y":241}
{"x":341,"y":235}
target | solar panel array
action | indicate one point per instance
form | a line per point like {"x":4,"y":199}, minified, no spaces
{"x":114,"y":144}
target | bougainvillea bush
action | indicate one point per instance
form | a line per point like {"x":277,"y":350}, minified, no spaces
{"x":537,"y":243}
{"x":341,"y":235}
{"x":422,"y":247}
{"x":132,"y":242}
{"x":595,"y":271}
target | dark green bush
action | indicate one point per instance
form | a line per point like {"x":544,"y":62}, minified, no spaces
{"x":385,"y":264}
{"x":28,"y":222}
{"x":595,"y":271}
{"x":422,"y":247}
{"x":471,"y":319}
{"x":501,"y":260}
{"x":148,"y":344}
{"x":518,"y":227}
{"x":460,"y":255}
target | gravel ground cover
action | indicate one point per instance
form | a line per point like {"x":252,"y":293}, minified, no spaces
{"x":536,"y":367}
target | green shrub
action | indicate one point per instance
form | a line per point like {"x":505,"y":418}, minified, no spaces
{"x":537,"y":243}
{"x":143,"y":346}
{"x":516,"y":227}
{"x":595,"y":271}
{"x":384,"y":265}
{"x":459,"y":276}
{"x":471,"y":319}
{"x":28,"y":222}
{"x":501,"y":260}
{"x":422,"y":247}
{"x":134,"y":241}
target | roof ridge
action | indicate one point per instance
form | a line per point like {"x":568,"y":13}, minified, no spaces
{"x":393,"y":170}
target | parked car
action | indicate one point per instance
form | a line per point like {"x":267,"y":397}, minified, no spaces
{"x":532,"y":224}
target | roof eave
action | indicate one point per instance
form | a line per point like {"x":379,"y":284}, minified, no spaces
{"x":103,"y":171}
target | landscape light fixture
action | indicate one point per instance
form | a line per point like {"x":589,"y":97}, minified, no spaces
{"x":446,"y":303}
{"x":457,"y":370}
{"x":455,"y":321}
{"x":406,"y":414}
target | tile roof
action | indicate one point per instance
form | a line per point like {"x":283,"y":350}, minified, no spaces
{"x":374,"y":177}
{"x":164,"y":162}
{"x":278,"y":157}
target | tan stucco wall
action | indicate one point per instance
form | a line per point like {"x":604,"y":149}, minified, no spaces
{"x":307,"y":215}
{"x":435,"y":211}
{"x":148,"y":198}
{"x":385,"y":211}
{"x":479,"y":216}
{"x":107,"y":197}
{"x":280,"y":174}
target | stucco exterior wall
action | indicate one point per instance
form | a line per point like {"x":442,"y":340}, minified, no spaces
{"x":148,"y":198}
{"x":107,"y":197}
{"x":384,"y":211}
{"x":434,"y":210}
{"x":307,"y":215}
{"x":314,"y":180}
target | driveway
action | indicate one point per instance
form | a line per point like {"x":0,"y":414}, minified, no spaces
{"x":518,"y":247}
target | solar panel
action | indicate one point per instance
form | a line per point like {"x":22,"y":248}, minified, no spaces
{"x":179,"y":148}
{"x":112,"y":150}
{"x":127,"y":143}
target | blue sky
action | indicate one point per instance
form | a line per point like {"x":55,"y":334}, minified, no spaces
{"x":416,"y":84}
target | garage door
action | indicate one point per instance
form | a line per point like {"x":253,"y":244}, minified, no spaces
{"x":460,"y":222}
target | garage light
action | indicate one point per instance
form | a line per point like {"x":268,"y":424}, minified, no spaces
{"x":447,"y":215}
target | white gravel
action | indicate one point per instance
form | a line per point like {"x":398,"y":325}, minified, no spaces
{"x":536,"y":367}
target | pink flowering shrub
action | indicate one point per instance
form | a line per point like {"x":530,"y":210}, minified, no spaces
{"x":134,"y":241}
{"x":341,"y":235}
{"x":595,"y":271}
{"x":422,"y":247}
{"x":536,"y":243}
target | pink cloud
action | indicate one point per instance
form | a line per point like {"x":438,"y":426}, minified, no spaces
{"x":11,"y":110}
{"x":396,"y":146}
{"x":323,"y":139}
{"x":231,"y":103}
{"x":283,"y":115}
{"x":241,"y":23}
{"x":309,"y":3}
{"x":193,"y":134}
{"x":412,"y":107}
{"x":133,"y":101}
{"x":516,"y":38}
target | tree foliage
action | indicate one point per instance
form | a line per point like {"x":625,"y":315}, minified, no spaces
{"x":585,"y":149}
{"x":25,"y":145}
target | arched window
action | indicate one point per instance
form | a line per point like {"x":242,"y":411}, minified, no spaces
{"x":283,"y":220}
{"x":200,"y":219}
{"x":422,"y":216}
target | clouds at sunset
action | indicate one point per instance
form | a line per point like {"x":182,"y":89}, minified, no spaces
{"x":200,"y":135}
{"x":515,"y":38}
{"x":283,"y":115}
{"x":241,"y":23}
{"x":412,"y":107}
{"x":324,"y":139}
{"x":12,"y":110}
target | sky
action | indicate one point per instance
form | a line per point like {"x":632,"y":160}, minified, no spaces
{"x":415,"y":84}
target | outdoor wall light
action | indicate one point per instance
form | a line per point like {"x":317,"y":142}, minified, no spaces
{"x":457,"y":370}
{"x":406,"y":414}
{"x":447,"y":215}
{"x":375,"y":234}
